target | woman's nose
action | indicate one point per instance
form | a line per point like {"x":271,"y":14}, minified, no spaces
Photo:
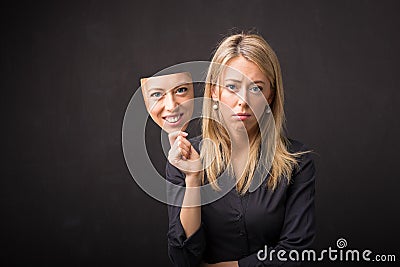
{"x":242,"y":97}
{"x":170,"y":103}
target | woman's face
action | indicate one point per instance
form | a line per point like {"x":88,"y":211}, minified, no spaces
{"x":244,"y":93}
{"x":168,"y":100}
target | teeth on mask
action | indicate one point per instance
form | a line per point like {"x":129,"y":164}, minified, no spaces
{"x":172,"y":119}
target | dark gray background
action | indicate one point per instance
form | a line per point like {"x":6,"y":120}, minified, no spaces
{"x":68,"y":72}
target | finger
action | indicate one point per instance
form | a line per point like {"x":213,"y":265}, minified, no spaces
{"x":174,"y":135}
{"x":185,"y":141}
{"x":184,"y":144}
{"x":193,"y":153}
{"x":184,"y":151}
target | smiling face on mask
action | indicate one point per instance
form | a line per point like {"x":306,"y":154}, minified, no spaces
{"x":169,"y":100}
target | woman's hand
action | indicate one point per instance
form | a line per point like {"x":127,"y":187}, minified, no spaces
{"x":183,"y":156}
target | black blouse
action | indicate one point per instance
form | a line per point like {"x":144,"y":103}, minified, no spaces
{"x":235,"y":227}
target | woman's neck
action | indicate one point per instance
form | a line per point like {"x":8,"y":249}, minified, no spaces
{"x":240,"y":141}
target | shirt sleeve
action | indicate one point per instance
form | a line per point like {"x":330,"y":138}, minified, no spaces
{"x":298,"y":230}
{"x":182,"y":251}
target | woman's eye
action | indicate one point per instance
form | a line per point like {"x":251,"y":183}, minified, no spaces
{"x":156,"y":95}
{"x":231,"y":87}
{"x":181,"y":90}
{"x":256,"y":89}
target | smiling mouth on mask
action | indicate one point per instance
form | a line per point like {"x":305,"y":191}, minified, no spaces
{"x":173,"y":118}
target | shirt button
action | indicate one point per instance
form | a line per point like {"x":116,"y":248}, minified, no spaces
{"x":242,"y":233}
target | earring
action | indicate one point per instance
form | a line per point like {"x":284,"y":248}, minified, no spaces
{"x":267,"y":109}
{"x":215,"y":106}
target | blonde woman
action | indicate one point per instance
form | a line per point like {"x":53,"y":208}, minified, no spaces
{"x":242,"y":227}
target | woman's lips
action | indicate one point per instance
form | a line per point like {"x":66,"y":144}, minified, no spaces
{"x":173,"y":119}
{"x":241,"y":116}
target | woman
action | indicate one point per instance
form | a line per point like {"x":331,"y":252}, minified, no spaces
{"x":278,"y":214}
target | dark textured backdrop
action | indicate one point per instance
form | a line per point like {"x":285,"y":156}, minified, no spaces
{"x":69,"y":69}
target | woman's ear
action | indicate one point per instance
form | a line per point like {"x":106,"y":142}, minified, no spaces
{"x":214,"y":92}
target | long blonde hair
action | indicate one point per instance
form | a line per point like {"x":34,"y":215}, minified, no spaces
{"x":255,"y":49}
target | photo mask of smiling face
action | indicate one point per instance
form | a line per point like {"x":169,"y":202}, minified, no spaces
{"x":169,"y":100}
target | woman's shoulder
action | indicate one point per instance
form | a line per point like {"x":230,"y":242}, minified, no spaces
{"x":294,"y":146}
{"x":304,"y":160}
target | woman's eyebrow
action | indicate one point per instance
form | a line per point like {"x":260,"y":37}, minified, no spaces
{"x":182,"y":83}
{"x":155,"y":88}
{"x":162,"y":88}
{"x":259,"y":81}
{"x":236,"y":80}
{"x":179,"y":85}
{"x":233,"y":80}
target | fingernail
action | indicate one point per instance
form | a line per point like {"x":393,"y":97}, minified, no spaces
{"x":184,"y":133}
